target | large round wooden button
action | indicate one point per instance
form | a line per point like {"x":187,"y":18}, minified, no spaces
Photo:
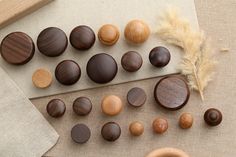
{"x":80,"y":133}
{"x":108,"y":34}
{"x":131,"y":61}
{"x":101,"y":68}
{"x":213,"y":117}
{"x":17,"y":48}
{"x":68,"y":72}
{"x":82,"y":37}
{"x":82,"y":106}
{"x":167,"y":152}
{"x":42,"y":78}
{"x":136,"y":97}
{"x":111,"y":105}
{"x":159,"y":56}
{"x":111,"y":131}
{"x":171,"y":92}
{"x":52,"y":42}
{"x":56,"y":108}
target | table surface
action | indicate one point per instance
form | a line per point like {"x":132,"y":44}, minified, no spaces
{"x":216,"y":18}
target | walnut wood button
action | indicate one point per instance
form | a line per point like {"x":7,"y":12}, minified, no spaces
{"x":42,"y":78}
{"x":82,"y":37}
{"x":213,"y":117}
{"x":159,"y":56}
{"x":136,"y":97}
{"x":102,"y":68}
{"x":108,"y":34}
{"x":111,"y":131}
{"x":111,"y":105}
{"x":172,"y":92}
{"x":52,"y":42}
{"x":131,"y":61}
{"x":82,"y":106}
{"x":136,"y":128}
{"x":68,"y":72}
{"x":56,"y":108}
{"x":80,"y":133}
{"x":160,"y":125}
{"x":17,"y":48}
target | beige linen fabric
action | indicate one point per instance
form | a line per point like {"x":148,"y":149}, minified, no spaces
{"x":217,"y":18}
{"x":24,"y":131}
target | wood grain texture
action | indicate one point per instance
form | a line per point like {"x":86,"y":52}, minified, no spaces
{"x":12,"y":10}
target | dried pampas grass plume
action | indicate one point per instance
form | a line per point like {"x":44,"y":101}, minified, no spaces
{"x":198,"y":62}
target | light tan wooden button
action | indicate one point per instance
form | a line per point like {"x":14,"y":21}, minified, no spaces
{"x":111,"y":105}
{"x":136,"y":128}
{"x":167,"y":152}
{"x":42,"y":78}
{"x":108,"y":34}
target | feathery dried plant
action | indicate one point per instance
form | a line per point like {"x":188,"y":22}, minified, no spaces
{"x":198,"y":61}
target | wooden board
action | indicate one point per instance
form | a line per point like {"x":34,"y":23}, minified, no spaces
{"x":11,"y":10}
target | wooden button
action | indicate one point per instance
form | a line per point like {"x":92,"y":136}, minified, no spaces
{"x":171,"y":92}
{"x":52,"y":42}
{"x":136,"y":97}
{"x":80,"y":133}
{"x":159,"y":56}
{"x":82,"y":37}
{"x":111,"y":105}
{"x":186,"y":121}
{"x":17,"y":48}
{"x":136,"y":128}
{"x":111,"y":131}
{"x":108,"y":34}
{"x":160,"y":125}
{"x":102,"y":68}
{"x":82,"y":106}
{"x":68,"y":72}
{"x":42,"y":78}
{"x":131,"y":61}
{"x":213,"y":117}
{"x":56,"y":108}
{"x":167,"y":152}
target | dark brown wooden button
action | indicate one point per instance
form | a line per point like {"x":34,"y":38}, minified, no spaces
{"x":159,"y":56}
{"x":213,"y":117}
{"x":82,"y":37}
{"x":131,"y":61}
{"x":80,"y":133}
{"x":101,"y":68}
{"x":56,"y":108}
{"x":68,"y":72}
{"x":111,"y":131}
{"x":82,"y":106}
{"x":136,"y":97}
{"x":17,"y":48}
{"x":171,"y":92}
{"x":52,"y":42}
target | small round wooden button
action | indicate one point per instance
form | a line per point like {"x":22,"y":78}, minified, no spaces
{"x":56,"y":108}
{"x":68,"y":72}
{"x":52,"y":42}
{"x":82,"y":106}
{"x":213,"y":117}
{"x":42,"y":78}
{"x":102,"y":68}
{"x":136,"y":128}
{"x":159,"y":56}
{"x":131,"y":61}
{"x":17,"y":48}
{"x":136,"y":97}
{"x":82,"y":37}
{"x":80,"y":133}
{"x":171,"y":92}
{"x":108,"y":34}
{"x":111,"y":131}
{"x":186,"y":121}
{"x":160,"y":125}
{"x":111,"y":105}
